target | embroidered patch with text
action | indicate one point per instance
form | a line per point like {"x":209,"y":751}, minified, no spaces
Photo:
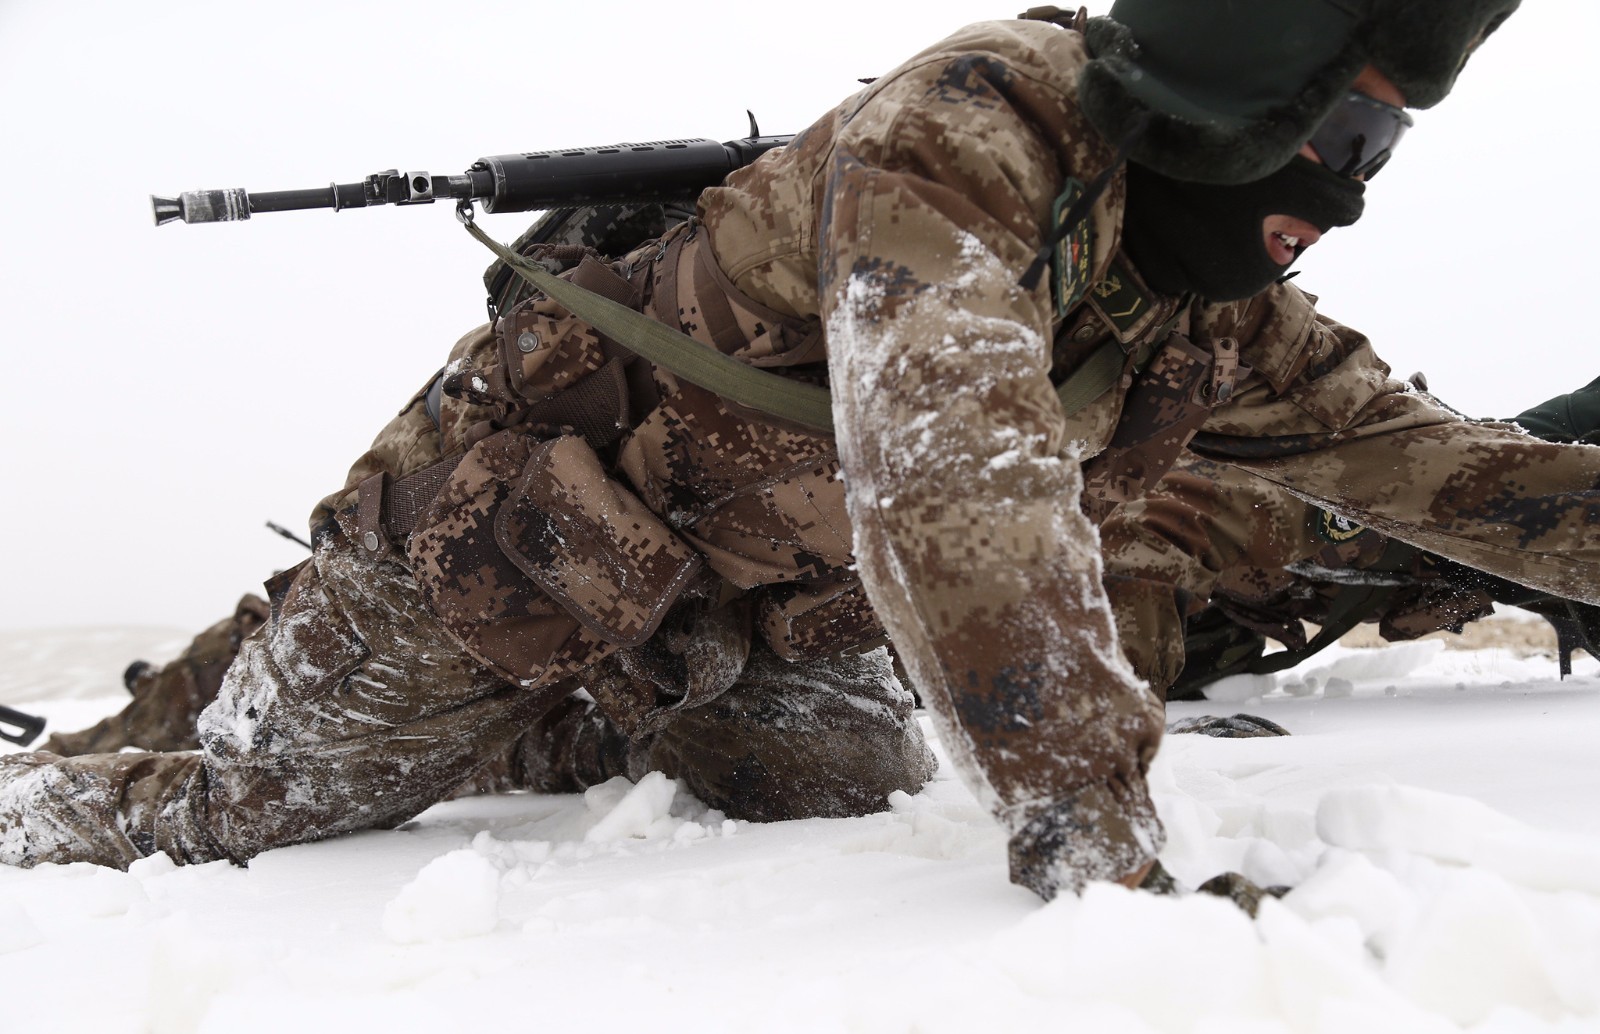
{"x":1071,"y":259}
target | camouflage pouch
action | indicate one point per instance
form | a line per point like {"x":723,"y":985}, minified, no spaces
{"x":1167,"y":404}
{"x":539,"y":562}
{"x":592,"y":545}
{"x":553,"y":373}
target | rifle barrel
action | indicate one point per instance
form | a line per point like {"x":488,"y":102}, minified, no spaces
{"x":662,"y":171}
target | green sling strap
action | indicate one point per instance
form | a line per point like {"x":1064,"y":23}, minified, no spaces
{"x":805,"y":404}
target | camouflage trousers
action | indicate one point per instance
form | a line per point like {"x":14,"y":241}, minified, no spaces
{"x":354,"y":708}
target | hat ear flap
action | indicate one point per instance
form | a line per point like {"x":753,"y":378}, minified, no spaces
{"x":1422,"y":45}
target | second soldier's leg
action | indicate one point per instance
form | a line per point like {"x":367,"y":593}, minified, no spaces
{"x":167,"y":699}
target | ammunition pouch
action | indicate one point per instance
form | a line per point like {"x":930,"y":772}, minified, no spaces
{"x":539,"y":562}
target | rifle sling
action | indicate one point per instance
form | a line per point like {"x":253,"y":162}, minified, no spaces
{"x":804,"y":404}
{"x":808,"y":405}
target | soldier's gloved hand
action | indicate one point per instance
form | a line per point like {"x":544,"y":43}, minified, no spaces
{"x":1242,"y":892}
{"x":1236,"y":726}
{"x":1236,"y":888}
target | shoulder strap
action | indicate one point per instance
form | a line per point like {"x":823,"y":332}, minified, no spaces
{"x":1096,"y":374}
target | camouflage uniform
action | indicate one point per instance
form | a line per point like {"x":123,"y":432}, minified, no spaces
{"x":920,"y":201}
{"x":356,"y":706}
{"x":900,"y":223}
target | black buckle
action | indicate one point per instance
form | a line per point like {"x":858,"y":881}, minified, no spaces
{"x":28,"y":726}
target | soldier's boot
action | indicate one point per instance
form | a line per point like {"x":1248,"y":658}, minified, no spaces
{"x":352,"y":709}
{"x":167,"y":700}
{"x":786,"y":740}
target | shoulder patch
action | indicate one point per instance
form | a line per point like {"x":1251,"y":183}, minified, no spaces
{"x":1071,"y":259}
{"x":1333,"y":528}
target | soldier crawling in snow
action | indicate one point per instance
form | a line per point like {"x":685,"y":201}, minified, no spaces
{"x":1282,"y":563}
{"x":704,"y":573}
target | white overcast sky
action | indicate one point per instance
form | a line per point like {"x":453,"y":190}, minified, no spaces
{"x":167,"y":391}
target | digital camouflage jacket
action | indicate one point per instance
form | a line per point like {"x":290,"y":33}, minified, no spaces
{"x":905,"y":218}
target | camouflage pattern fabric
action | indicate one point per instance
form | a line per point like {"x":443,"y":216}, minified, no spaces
{"x":356,"y":708}
{"x":1282,"y":561}
{"x":1169,"y":401}
{"x":1165,"y":553}
{"x":359,"y":705}
{"x":352,"y":708}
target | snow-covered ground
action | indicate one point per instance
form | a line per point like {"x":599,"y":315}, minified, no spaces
{"x":1436,"y":811}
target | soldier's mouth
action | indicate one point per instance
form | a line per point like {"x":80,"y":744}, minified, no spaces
{"x":1285,"y":247}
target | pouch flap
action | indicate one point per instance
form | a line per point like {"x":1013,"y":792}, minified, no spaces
{"x":818,"y":619}
{"x":592,"y":544}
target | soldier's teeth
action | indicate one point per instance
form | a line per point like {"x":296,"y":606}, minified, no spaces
{"x":1293,"y":242}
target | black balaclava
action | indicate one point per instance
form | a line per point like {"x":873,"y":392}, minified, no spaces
{"x":1208,"y":238}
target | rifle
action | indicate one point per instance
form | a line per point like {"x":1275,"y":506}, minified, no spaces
{"x":587,"y":177}
{"x":28,"y":726}
{"x":662,"y":171}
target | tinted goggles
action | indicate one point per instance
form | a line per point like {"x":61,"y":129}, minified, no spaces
{"x":1358,"y":136}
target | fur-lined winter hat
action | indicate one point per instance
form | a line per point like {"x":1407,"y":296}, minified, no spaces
{"x":1233,"y":88}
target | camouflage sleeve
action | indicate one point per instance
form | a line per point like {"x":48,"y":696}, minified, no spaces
{"x":1164,"y":552}
{"x":1323,"y":418}
{"x":963,"y":491}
